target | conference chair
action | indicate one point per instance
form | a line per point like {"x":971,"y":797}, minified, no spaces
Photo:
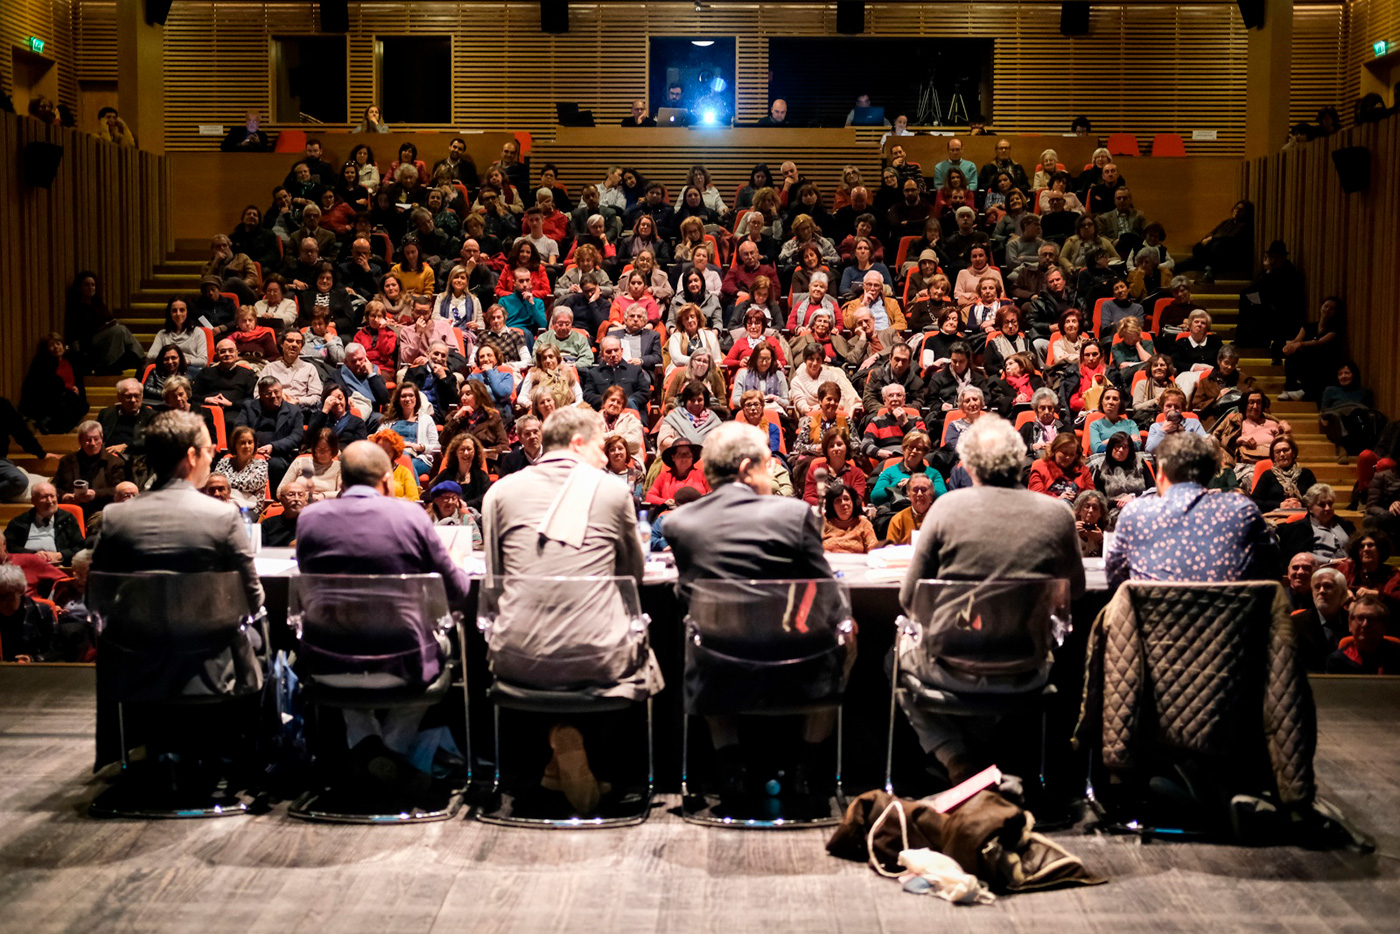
{"x":978,"y":649}
{"x":375,"y":646}
{"x":1196,"y":708}
{"x":172,"y":647}
{"x":571,"y":650}
{"x":768,"y":659}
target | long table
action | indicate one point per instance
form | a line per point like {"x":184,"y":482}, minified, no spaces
{"x":866,"y":710}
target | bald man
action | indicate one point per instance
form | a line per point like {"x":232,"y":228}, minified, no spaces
{"x":332,"y":536}
{"x":225,"y":383}
{"x":777,"y":114}
{"x":368,"y":531}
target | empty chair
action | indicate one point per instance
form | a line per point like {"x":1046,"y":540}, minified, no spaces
{"x":766,"y":649}
{"x":171,"y":646}
{"x":570,"y":658}
{"x":376,"y":648}
{"x":967,"y":655}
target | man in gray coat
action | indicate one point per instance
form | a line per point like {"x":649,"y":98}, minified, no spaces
{"x":175,"y":527}
{"x":741,"y":532}
{"x":564,"y":516}
{"x":992,"y":531}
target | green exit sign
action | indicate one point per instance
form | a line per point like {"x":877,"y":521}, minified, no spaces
{"x":37,"y":45}
{"x":1381,"y":47}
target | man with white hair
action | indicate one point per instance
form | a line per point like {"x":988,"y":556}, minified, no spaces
{"x":640,"y":344}
{"x":884,"y":434}
{"x":615,"y":371}
{"x":123,"y":422}
{"x":44,"y":530}
{"x":1018,"y":534}
{"x":564,"y":516}
{"x":1321,"y":626}
{"x":573,"y":347}
{"x":883,"y":309}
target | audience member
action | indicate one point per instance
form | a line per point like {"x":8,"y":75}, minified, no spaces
{"x":88,"y":477}
{"x":44,"y":530}
{"x":1368,"y":650}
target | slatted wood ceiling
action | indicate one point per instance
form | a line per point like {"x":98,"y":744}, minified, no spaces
{"x":1346,"y":244}
{"x":1149,"y":67}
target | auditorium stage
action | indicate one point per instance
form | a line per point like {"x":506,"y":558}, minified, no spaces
{"x":60,"y":871}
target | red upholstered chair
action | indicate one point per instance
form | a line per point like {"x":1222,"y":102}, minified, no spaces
{"x":1123,"y":144}
{"x":76,"y":511}
{"x":1168,"y":145}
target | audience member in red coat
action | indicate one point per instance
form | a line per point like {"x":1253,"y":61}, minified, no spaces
{"x":378,"y":338}
{"x":1092,"y":373}
{"x":741,"y":275}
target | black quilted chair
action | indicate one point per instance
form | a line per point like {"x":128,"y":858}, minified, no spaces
{"x":1197,"y":712}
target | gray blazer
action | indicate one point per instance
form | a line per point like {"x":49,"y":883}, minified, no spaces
{"x":176,"y":528}
{"x":577,"y":635}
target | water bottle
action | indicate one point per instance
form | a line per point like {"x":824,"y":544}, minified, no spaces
{"x":251,"y":527}
{"x":644,"y":535}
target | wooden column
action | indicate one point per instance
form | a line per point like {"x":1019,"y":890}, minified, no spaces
{"x":141,"y":74}
{"x":1269,"y":79}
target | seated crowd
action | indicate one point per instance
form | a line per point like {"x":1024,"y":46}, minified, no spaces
{"x":443,"y":314}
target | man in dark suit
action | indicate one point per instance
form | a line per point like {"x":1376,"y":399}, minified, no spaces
{"x":741,"y":532}
{"x":640,"y":344}
{"x":436,"y":380}
{"x":124,"y":422}
{"x":174,"y":527}
{"x":331,"y":539}
{"x":277,"y":424}
{"x":614,"y":371}
{"x":527,"y":451}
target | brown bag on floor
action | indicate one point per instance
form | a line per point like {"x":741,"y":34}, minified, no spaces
{"x":988,"y":836}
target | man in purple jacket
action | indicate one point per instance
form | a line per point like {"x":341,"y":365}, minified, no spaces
{"x":367,"y":531}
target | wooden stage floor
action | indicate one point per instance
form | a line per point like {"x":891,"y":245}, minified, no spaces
{"x":60,"y":871}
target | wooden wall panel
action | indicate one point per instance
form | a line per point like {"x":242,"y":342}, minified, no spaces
{"x":95,"y":40}
{"x":108,"y":210}
{"x":1145,"y":67}
{"x":1345,"y":244}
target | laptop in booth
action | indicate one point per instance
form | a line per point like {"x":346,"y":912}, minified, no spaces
{"x":868,"y":116}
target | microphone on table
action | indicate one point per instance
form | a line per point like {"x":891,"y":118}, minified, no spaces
{"x":819,"y":476}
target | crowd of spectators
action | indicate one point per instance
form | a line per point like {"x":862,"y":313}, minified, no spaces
{"x":444,"y":313}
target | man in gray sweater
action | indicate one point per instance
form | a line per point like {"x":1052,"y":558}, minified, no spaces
{"x":990,"y":533}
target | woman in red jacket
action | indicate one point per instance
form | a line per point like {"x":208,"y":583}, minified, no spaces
{"x":836,"y":448}
{"x":1060,"y":471}
{"x":378,"y":337}
{"x":523,"y":254}
{"x":1092,"y":376}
